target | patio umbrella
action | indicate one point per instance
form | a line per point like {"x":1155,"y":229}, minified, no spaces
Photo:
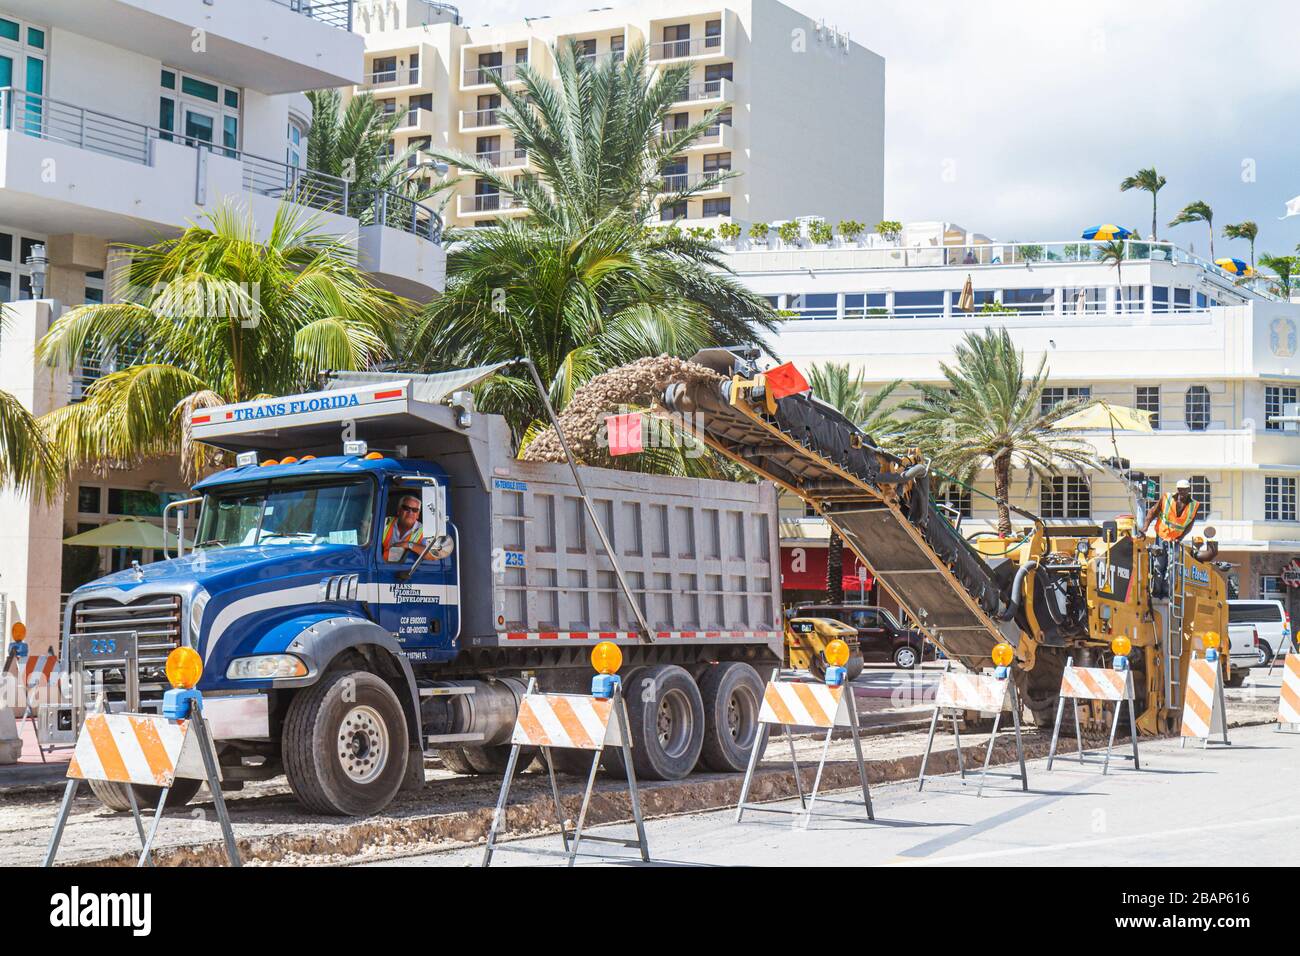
{"x":1102,"y":414}
{"x":1235,"y":266}
{"x":967,"y":301}
{"x":1107,"y":231}
{"x":125,"y":533}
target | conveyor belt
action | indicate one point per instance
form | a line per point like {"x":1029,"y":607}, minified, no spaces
{"x":879,"y":503}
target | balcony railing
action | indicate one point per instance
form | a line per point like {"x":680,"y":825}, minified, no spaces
{"x":477,"y":119}
{"x":409,"y":76}
{"x":482,"y":75}
{"x":680,"y":182}
{"x":488,"y":202}
{"x":504,"y":158}
{"x":337,"y":13}
{"x":399,"y":212}
{"x":680,"y":49}
{"x":707,"y":90}
{"x":56,"y":121}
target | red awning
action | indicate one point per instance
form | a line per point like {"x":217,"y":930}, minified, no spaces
{"x":803,"y":568}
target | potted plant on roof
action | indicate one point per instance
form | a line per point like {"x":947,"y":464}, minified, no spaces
{"x":890,"y":230}
{"x":789,"y":232}
{"x":821,"y":233}
{"x":758,"y":234}
{"x":851,"y":230}
{"x":729,"y":232}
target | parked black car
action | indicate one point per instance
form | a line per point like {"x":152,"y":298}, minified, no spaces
{"x":880,"y":636}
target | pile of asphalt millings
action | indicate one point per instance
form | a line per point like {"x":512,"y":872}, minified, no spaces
{"x":636,"y":385}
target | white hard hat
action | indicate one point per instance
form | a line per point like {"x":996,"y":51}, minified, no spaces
{"x":1184,"y":485}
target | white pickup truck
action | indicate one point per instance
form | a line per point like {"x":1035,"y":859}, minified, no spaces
{"x":1271,"y":624}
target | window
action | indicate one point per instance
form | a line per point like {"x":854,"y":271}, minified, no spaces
{"x":675,"y":178}
{"x":1252,"y":612}
{"x":859,"y":305}
{"x":383,"y":69}
{"x":586,"y":49}
{"x":1201,"y":493}
{"x":1065,"y":496}
{"x":1276,"y":398}
{"x":712,"y":34}
{"x":714,"y":73}
{"x":1196,"y":408}
{"x":1279,"y":499}
{"x":979,"y":298}
{"x":1147,"y":399}
{"x":1056,"y":394}
{"x":1159,"y":298}
{"x":717,"y":207}
{"x":916,"y":304}
{"x":202,"y":111}
{"x":1028,"y":300}
{"x":677,"y":40}
{"x":88,"y":497}
{"x":957,"y":501}
{"x":815,"y":305}
{"x":1130,"y":298}
{"x":1079,"y":299}
{"x":1182,"y":300}
{"x":296,"y":151}
{"x":671,"y":211}
{"x":716,"y":162}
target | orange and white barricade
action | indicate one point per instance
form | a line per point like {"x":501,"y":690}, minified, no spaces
{"x":149,"y":750}
{"x":789,"y":704}
{"x":1204,"y":713}
{"x":1113,"y":684}
{"x":574,"y":722}
{"x":986,"y":693}
{"x":1288,"y":701}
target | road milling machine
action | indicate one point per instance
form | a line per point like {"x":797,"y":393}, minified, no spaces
{"x":1052,"y":592}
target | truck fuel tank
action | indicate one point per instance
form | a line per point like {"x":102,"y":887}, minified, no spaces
{"x":478,"y":712}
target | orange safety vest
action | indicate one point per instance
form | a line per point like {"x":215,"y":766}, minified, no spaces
{"x":1172,"y":525}
{"x":390,"y":526}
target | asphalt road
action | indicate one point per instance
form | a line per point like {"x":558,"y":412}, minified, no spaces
{"x":1185,"y":807}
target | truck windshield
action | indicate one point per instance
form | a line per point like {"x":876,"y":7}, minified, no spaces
{"x":298,"y":513}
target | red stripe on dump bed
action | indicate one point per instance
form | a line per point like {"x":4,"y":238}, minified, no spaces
{"x":516,"y":636}
{"x":664,"y":634}
{"x":391,"y":393}
{"x":577,"y":635}
{"x":688,"y":633}
{"x":200,"y":419}
{"x":548,"y":635}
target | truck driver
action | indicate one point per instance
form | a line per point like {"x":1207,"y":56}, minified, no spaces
{"x":403,"y":532}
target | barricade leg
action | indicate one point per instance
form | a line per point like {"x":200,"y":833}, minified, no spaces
{"x":862,"y":766}
{"x":988,"y":756}
{"x":1056,"y":732}
{"x":499,"y":814}
{"x":1132,"y":724}
{"x":586,"y":799}
{"x":64,"y":809}
{"x":620,"y":710}
{"x":135,"y":812}
{"x":1078,"y":731}
{"x":555,"y":795}
{"x":153,"y":830}
{"x":817,"y":780}
{"x":214,"y":782}
{"x":1020,"y":744}
{"x":1223,"y":712}
{"x":794,"y":762}
{"x":759,"y":743}
{"x":956,"y":736}
{"x":925,"y":757}
{"x":1114,"y":726}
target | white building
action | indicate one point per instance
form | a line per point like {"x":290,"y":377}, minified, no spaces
{"x":1166,"y":332}
{"x":121,"y":121}
{"x":803,"y":105}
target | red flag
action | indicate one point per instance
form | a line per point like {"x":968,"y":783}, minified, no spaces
{"x":785,"y":380}
{"x":624,"y":432}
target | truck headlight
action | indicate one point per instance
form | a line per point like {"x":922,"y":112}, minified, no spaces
{"x":265,"y":667}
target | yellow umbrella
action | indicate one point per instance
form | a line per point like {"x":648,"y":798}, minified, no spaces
{"x":127,"y":532}
{"x":1102,"y":414}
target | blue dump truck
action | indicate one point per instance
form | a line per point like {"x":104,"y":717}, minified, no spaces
{"x":342,"y":641}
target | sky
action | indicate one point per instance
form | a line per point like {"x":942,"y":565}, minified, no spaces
{"x":1020,"y":119}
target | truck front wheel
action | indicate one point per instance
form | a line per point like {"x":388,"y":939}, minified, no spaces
{"x":345,"y":744}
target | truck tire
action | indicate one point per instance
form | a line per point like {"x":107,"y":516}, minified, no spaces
{"x":345,"y":744}
{"x":666,"y":725}
{"x":493,"y":759}
{"x":115,"y":797}
{"x":575,"y":763}
{"x":855,"y":666}
{"x":732,"y":693}
{"x":454,"y":759}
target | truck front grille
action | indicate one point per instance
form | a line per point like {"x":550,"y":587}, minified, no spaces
{"x":155,"y":619}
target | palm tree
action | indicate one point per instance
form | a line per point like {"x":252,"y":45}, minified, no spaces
{"x":989,"y":414}
{"x":1197,"y":211}
{"x":597,"y":138}
{"x":1150,"y":181}
{"x":352,"y":143}
{"x":584,"y":283}
{"x":847,"y":392}
{"x":29,"y":462}
{"x":213,"y":316}
{"x":1113,"y":251}
{"x":1247,"y":230}
{"x":1284,"y":267}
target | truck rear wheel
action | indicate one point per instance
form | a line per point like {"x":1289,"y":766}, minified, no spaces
{"x":732,"y":693}
{"x":345,"y":744}
{"x":115,"y":797}
{"x":454,"y":759}
{"x":666,"y":723}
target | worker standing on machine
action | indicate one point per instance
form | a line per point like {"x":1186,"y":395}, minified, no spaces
{"x":1173,"y":516}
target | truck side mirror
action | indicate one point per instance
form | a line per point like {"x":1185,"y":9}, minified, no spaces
{"x":433,"y":507}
